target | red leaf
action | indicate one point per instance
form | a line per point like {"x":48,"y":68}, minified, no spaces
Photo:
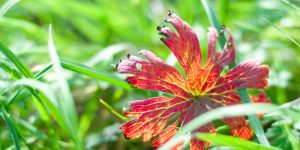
{"x":152,"y":116}
{"x":153,"y":75}
{"x":202,"y":89}
{"x":239,"y":127}
{"x":184,"y":45}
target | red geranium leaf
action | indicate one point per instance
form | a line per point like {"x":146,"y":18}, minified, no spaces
{"x":201,"y":90}
{"x":152,"y":116}
{"x":239,"y":127}
{"x":153,"y":74}
{"x":166,"y":135}
{"x":248,"y":74}
{"x":184,"y":45}
{"x":197,"y":108}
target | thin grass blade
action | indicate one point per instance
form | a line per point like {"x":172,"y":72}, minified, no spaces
{"x":35,"y":84}
{"x":48,"y":99}
{"x":234,"y":142}
{"x":112,"y":110}
{"x":10,"y":70}
{"x":7,"y":5}
{"x":85,"y":70}
{"x":66,"y":103}
{"x":12,"y":129}
{"x":15,"y":60}
{"x":282,"y":32}
{"x":107,"y":53}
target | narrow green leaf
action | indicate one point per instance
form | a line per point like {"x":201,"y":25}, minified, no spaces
{"x":107,"y":53}
{"x":112,"y":110}
{"x":29,"y":127}
{"x":292,"y":138}
{"x":82,"y":69}
{"x":282,"y":32}
{"x":45,"y":102}
{"x":13,"y":97}
{"x":214,"y":21}
{"x":10,"y":70}
{"x":48,"y":99}
{"x":66,"y":102}
{"x":291,"y":4}
{"x":7,"y":5}
{"x":11,"y":127}
{"x":254,"y":121}
{"x":35,"y":84}
{"x":234,"y":142}
{"x":15,"y":60}
{"x":88,"y":71}
{"x":219,"y":113}
{"x":43,"y":71}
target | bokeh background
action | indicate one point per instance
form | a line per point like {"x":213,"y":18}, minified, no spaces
{"x":99,"y":33}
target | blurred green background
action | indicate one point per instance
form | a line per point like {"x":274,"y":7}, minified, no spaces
{"x":99,"y":33}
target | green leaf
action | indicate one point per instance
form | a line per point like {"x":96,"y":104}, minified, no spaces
{"x":8,"y":4}
{"x":43,"y":71}
{"x":31,"y":128}
{"x":42,"y":87}
{"x":12,"y":129}
{"x":45,"y":102}
{"x":65,"y":100}
{"x":112,"y":110}
{"x":82,"y":69}
{"x":48,"y":99}
{"x":234,"y":142}
{"x":282,"y":32}
{"x":10,"y":70}
{"x":15,"y":60}
{"x":107,"y":53}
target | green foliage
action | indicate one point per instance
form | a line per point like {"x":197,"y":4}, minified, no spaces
{"x":237,"y":143}
{"x":52,"y":102}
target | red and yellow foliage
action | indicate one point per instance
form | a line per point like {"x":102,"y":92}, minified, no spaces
{"x":203,"y":87}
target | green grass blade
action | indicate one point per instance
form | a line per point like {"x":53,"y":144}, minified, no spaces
{"x":112,"y":110}
{"x":29,"y":127}
{"x":8,"y":4}
{"x":49,"y":100}
{"x":15,"y":60}
{"x":82,"y":69}
{"x":13,"y":97}
{"x":11,"y":127}
{"x":88,"y":71}
{"x":27,"y":73}
{"x":254,"y":121}
{"x":282,"y":32}
{"x":292,"y":5}
{"x":214,"y":21}
{"x":42,"y":87}
{"x":219,"y":113}
{"x":292,"y":138}
{"x":234,"y":142}
{"x":107,"y":53}
{"x":10,"y":70}
{"x":43,"y":71}
{"x":66,"y":102}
